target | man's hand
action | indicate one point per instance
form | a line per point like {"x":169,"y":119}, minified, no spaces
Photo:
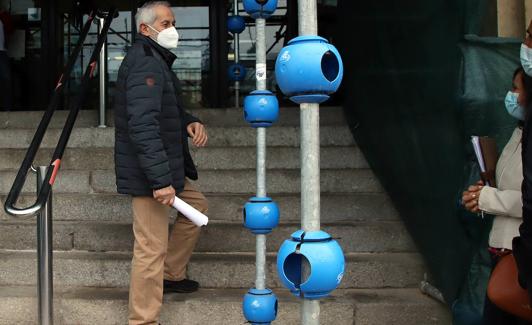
{"x":165,"y":195}
{"x":471,"y":196}
{"x":198,"y":134}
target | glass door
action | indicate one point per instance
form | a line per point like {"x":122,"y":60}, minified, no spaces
{"x":192,"y":66}
{"x":22,"y":56}
{"x":40,"y":40}
{"x":119,"y":39}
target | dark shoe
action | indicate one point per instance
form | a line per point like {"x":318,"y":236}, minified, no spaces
{"x":183,"y":286}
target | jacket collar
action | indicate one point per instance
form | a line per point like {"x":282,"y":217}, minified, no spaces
{"x":166,"y":54}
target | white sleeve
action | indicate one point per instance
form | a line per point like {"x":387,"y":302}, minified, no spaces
{"x":501,"y":202}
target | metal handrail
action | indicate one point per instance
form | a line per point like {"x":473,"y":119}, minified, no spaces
{"x":51,"y":173}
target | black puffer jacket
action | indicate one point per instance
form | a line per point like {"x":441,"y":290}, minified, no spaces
{"x":522,"y":245}
{"x":151,"y":146}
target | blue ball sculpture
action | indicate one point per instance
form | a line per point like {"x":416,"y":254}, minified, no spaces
{"x":309,"y":69}
{"x":260,"y":8}
{"x":261,"y":108}
{"x":261,"y":215}
{"x":260,"y":306}
{"x":324,"y":256}
{"x":236,"y":24}
{"x":236,"y":72}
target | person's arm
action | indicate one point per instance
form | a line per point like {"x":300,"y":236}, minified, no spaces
{"x":501,"y":202}
{"x":195,"y":129}
{"x":144,"y":90}
{"x":189,"y":118}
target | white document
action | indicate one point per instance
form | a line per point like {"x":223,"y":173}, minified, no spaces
{"x":478,"y":152}
{"x":197,"y":218}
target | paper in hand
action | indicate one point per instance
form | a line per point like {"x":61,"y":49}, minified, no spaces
{"x":197,"y":218}
{"x":478,"y":152}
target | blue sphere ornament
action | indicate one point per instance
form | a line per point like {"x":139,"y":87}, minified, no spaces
{"x":326,"y":260}
{"x":236,"y":24}
{"x":260,"y":8}
{"x":236,"y":72}
{"x":261,"y":215}
{"x":309,"y":69}
{"x":260,"y":306}
{"x":261,"y":108}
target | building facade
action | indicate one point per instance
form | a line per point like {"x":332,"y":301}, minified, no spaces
{"x":40,"y":35}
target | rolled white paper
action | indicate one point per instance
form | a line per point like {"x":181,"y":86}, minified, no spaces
{"x":197,"y":218}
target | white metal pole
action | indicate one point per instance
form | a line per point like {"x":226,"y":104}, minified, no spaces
{"x":260,"y":24}
{"x":310,"y":195}
{"x":236,"y":44}
{"x":310,"y":167}
{"x":260,"y":75}
{"x":310,"y":161}
{"x":102,"y":78}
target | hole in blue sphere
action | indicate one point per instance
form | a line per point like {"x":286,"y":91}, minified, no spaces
{"x":330,"y":66}
{"x":276,"y":307}
{"x":244,"y":215}
{"x":292,"y":268}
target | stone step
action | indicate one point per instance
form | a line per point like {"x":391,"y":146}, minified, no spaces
{"x":216,"y":158}
{"x":210,"y":116}
{"x":354,"y":237}
{"x":116,"y":208}
{"x":286,"y":136}
{"x":211,"y":181}
{"x":88,"y":306}
{"x":212,"y":270}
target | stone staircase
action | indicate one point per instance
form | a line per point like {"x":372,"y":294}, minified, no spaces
{"x":93,"y":237}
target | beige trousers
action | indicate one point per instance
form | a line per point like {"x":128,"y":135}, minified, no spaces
{"x":159,"y":254}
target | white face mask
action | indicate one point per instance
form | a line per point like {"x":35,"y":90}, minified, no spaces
{"x":526,"y":59}
{"x":167,"y":38}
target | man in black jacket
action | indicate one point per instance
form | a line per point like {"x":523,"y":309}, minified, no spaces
{"x":153,"y":162}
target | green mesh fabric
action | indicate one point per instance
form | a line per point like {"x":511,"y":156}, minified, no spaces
{"x":416,"y":88}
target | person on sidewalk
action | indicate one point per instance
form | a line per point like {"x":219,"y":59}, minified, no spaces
{"x":153,"y":163}
{"x":503,"y":201}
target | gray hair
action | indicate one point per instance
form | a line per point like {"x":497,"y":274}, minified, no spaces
{"x":146,"y":13}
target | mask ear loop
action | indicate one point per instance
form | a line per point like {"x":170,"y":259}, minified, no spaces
{"x":152,"y":28}
{"x":158,"y":32}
